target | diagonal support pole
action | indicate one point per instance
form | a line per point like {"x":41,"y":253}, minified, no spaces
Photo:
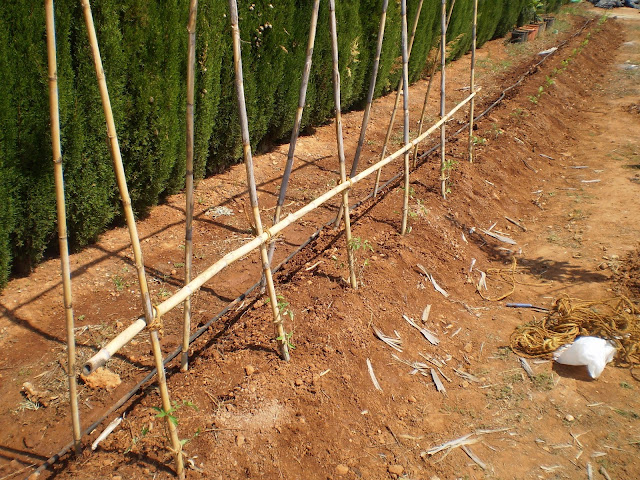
{"x":114,"y":147}
{"x":297,"y":122}
{"x":281,"y":336}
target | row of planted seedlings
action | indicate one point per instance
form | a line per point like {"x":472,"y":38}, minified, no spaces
{"x":264,"y":238}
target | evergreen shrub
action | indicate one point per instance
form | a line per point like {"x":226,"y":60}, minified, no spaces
{"x":143,"y":49}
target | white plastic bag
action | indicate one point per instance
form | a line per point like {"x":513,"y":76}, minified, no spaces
{"x":593,"y":352}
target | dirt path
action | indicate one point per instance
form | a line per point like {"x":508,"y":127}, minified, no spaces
{"x":319,"y":416}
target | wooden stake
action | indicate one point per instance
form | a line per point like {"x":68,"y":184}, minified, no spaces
{"x":172,"y":302}
{"x":367,"y":108}
{"x":281,"y":337}
{"x":188,"y":234}
{"x":343,"y":168}
{"x":426,"y":96}
{"x":472,"y":81}
{"x":62,"y":223}
{"x":443,"y":58}
{"x":133,"y":231}
{"x":298,"y":120}
{"x":405,"y":106}
{"x":395,"y":105}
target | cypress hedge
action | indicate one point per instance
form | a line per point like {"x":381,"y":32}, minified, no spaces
{"x":143,"y":47}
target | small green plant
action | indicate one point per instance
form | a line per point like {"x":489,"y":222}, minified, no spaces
{"x":118,"y":282}
{"x":496,"y":131}
{"x":502,"y":353}
{"x":478,"y":140}
{"x":626,"y":385}
{"x":519,"y":113}
{"x":136,"y":439}
{"x":358,"y":243}
{"x":543,"y":381}
{"x":553,"y":237}
{"x":533,"y":99}
{"x":283,"y":308}
{"x":184,"y":441}
{"x":627,"y":413}
{"x":337,"y":263}
{"x":360,"y":246}
{"x":450,"y":165}
{"x":164,"y":293}
{"x":421,"y":209}
{"x":178,"y":265}
{"x":287,"y":339}
{"x":175,"y":407}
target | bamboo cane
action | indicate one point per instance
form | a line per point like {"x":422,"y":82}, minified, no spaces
{"x":172,"y":302}
{"x":133,"y":231}
{"x":298,"y":120}
{"x":253,"y":194}
{"x":443,"y":57}
{"x":405,"y":106}
{"x":472,"y":81}
{"x":343,"y":168}
{"x":397,"y":102}
{"x":62,"y":224}
{"x":426,"y":96}
{"x":188,"y":235}
{"x":367,"y":109}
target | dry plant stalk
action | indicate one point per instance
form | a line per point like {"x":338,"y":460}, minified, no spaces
{"x":297,"y":122}
{"x":367,"y":108}
{"x":397,"y":102}
{"x":54,"y":111}
{"x":395,"y":343}
{"x":501,"y":238}
{"x":438,"y":383}
{"x":430,"y":336}
{"x":251,"y":181}
{"x":188,"y":234}
{"x":133,"y":232}
{"x":425,"y":313}
{"x":373,"y":375}
{"x":472,"y":105}
{"x":473,"y":456}
{"x":339,"y":139}
{"x":433,"y":281}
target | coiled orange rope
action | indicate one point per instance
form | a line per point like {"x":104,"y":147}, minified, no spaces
{"x":616,"y":319}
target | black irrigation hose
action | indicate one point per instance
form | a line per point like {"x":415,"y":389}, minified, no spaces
{"x":422,"y":159}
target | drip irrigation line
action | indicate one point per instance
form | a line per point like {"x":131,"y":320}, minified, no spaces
{"x":504,"y":92}
{"x":200,"y":331}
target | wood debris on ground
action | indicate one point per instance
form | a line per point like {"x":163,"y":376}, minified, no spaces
{"x":395,"y":343}
{"x":433,"y":281}
{"x":430,"y":336}
{"x":373,"y":375}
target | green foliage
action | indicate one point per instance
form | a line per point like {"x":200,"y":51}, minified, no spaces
{"x":7,"y":142}
{"x":143,"y":49}
{"x":510,"y":13}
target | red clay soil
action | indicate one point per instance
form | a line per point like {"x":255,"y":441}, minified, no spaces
{"x":244,"y":413}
